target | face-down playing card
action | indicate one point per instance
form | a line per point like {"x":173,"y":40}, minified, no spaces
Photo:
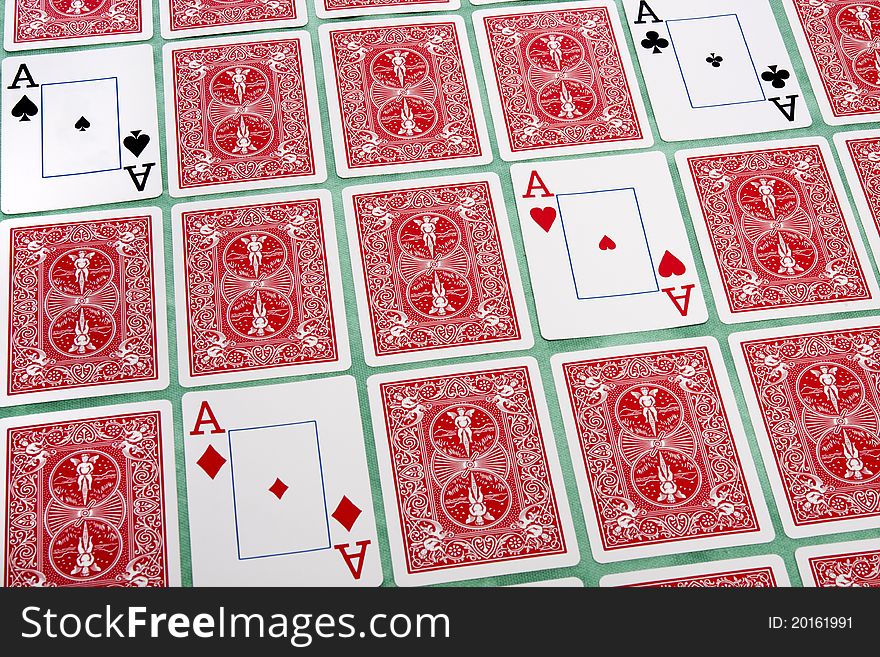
{"x":812,"y":393}
{"x":661,"y":458}
{"x":715,"y":71}
{"x":606,"y":246}
{"x":776,"y":230}
{"x":278,"y":488}
{"x":853,"y":564}
{"x":344,"y":8}
{"x":766,"y":571}
{"x":78,"y":306}
{"x":79,"y":129}
{"x":859,"y":152}
{"x":186,"y":18}
{"x":470,"y":475}
{"x":90,"y":498}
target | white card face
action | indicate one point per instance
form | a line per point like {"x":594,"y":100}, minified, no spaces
{"x":278,"y":488}
{"x":851,"y":564}
{"x":190,"y":18}
{"x":346,"y":8}
{"x":762,"y":571}
{"x":79,"y":128}
{"x":715,"y":71}
{"x":606,"y":247}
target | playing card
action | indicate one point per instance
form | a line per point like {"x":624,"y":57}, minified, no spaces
{"x":606,"y":246}
{"x":402,"y":96}
{"x":776,"y":231}
{"x":82,"y":306}
{"x":34,"y":24}
{"x":843,"y":565}
{"x":344,"y":8}
{"x":838,"y":42}
{"x":278,"y":488}
{"x":436,"y":275}
{"x":242,"y":114}
{"x":185,"y":18}
{"x":470,"y":476}
{"x":258,"y":289}
{"x":767,"y":571}
{"x":860,"y":155}
{"x":812,"y":394}
{"x":661,"y":458}
{"x":560,"y":80}
{"x":90,"y":498}
{"x":715,"y":70}
{"x":79,"y":128}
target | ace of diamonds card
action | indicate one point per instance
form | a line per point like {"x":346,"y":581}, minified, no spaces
{"x":606,"y":246}
{"x":278,"y":488}
{"x":258,"y":289}
{"x":79,"y":128}
{"x":80,"y":306}
{"x":470,"y":476}
{"x":435,"y":269}
{"x":560,"y":80}
{"x":242,"y":114}
{"x":715,"y":69}
{"x":661,"y":459}
{"x":854,"y":564}
{"x":402,"y":96}
{"x":812,"y":392}
{"x":90,"y":498}
{"x":776,"y":231}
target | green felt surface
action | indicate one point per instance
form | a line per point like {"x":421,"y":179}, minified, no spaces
{"x":587,"y":570}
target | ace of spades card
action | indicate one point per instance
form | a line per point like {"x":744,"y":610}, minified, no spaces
{"x":79,"y":129}
{"x":715,"y":69}
{"x":278,"y":488}
{"x":606,"y":247}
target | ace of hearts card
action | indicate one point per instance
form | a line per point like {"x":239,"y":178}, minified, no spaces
{"x":82,"y":306}
{"x":777,"y":234}
{"x":78,"y":129}
{"x":766,"y":571}
{"x":31,"y":24}
{"x":661,"y":459}
{"x":402,"y":96}
{"x":258,"y":288}
{"x":436,"y":274}
{"x":812,"y":393}
{"x":715,"y":70}
{"x":278,"y":488}
{"x":90,"y":498}
{"x":242,"y":114}
{"x":188,"y":18}
{"x":853,"y":564}
{"x":470,"y":476}
{"x":606,"y":246}
{"x":560,"y":80}
{"x":838,"y":42}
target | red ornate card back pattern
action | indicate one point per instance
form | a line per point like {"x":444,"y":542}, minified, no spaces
{"x":55,"y":20}
{"x":81,"y":305}
{"x":85,"y":503}
{"x":859,"y":569}
{"x":190,"y":14}
{"x":777,"y":230}
{"x":257,"y":287}
{"x":819,"y":396}
{"x":403,"y":95}
{"x":338,"y":5}
{"x":746,"y":578}
{"x":470,"y":470}
{"x":241,"y":113}
{"x":865,"y":155}
{"x":842,"y":36}
{"x":561,"y":80}
{"x":434,"y":268}
{"x":658,"y":449}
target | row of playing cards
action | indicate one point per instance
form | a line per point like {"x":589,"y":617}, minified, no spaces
{"x":279,"y":493}
{"x":242,"y":112}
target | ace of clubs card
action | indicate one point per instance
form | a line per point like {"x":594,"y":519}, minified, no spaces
{"x":278,"y":488}
{"x":606,"y":246}
{"x":78,"y":129}
{"x":715,"y":71}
